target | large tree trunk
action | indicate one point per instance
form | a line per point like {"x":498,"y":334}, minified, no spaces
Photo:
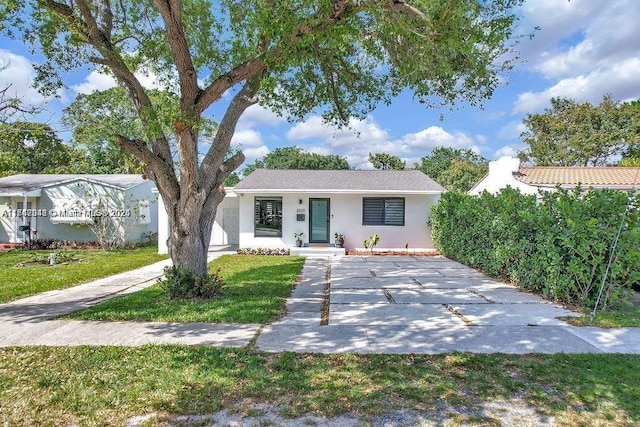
{"x":191,"y":221}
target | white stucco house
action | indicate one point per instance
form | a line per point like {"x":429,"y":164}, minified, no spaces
{"x":268,"y":207}
{"x":508,"y":171}
{"x":60,"y":206}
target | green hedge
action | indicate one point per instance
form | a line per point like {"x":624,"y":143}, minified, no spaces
{"x":556,"y":244}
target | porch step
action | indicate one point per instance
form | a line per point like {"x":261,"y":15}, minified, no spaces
{"x":317,"y":251}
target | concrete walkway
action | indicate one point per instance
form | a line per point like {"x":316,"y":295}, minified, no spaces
{"x":425,"y":305}
{"x":372,"y":305}
{"x":28,"y":321}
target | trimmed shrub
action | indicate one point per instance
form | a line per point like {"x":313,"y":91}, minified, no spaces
{"x":558,"y":244}
{"x":263,"y":251}
{"x":180,"y":283}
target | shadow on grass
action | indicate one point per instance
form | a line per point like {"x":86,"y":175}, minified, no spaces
{"x":51,"y":385}
{"x":252,"y":294}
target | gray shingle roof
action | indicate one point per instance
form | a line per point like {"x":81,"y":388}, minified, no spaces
{"x":349,"y":181}
{"x":29,"y":182}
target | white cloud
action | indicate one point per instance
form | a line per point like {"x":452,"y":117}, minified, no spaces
{"x":507,"y":150}
{"x":555,"y":20}
{"x":98,"y":80}
{"x":435,"y":136}
{"x":253,"y":153}
{"x":610,"y":34}
{"x":621,"y":80}
{"x":584,"y":49}
{"x":247,"y":138}
{"x":357,"y":132}
{"x":95,"y":81}
{"x":257,"y":115}
{"x":367,"y":136}
{"x":19,"y":75}
{"x":511,"y":130}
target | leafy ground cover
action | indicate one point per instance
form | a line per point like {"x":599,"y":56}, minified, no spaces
{"x":255,"y":290}
{"x":27,"y":273}
{"x":108,"y":385}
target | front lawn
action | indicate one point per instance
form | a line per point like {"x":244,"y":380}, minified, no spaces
{"x":109,"y":385}
{"x":255,"y":291}
{"x":21,"y":277}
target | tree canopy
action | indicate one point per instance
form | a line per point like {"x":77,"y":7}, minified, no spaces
{"x":387,"y":161}
{"x":340,"y":57}
{"x":296,"y":158}
{"x":573,"y":134}
{"x":27,"y":147}
{"x":454,"y":168}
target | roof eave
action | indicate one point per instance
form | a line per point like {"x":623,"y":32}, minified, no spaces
{"x":332,"y":191}
{"x":23,"y":193}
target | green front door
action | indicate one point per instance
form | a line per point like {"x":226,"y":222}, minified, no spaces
{"x":319,"y":220}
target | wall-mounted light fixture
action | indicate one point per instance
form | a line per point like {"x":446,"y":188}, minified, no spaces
{"x":300,"y":201}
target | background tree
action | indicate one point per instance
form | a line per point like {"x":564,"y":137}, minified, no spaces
{"x":12,"y":105}
{"x":454,"y":168}
{"x":342,"y":56}
{"x":297,"y":158}
{"x":385,"y":161}
{"x":97,"y":118}
{"x":572,"y":134}
{"x":27,"y":147}
{"x":232,"y":180}
{"x":631,"y":156}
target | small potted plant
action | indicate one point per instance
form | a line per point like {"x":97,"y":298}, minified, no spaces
{"x":298,"y":239}
{"x":339,"y":240}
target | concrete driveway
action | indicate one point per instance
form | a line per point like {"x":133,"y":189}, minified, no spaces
{"x":411,"y":304}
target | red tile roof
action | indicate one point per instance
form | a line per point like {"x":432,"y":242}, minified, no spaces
{"x":611,"y":177}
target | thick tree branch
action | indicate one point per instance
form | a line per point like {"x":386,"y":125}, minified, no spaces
{"x":106,"y":17}
{"x":95,"y":34}
{"x":87,"y":23}
{"x":171,"y":12}
{"x":226,"y":81}
{"x":220,"y":146}
{"x":162,"y":173}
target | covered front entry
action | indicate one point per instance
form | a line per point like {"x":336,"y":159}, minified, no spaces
{"x":319,"y":220}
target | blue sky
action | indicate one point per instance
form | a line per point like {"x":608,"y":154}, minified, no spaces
{"x":583,"y":50}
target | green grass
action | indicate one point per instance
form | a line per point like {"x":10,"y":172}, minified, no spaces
{"x":107,"y":385}
{"x":255,"y":291}
{"x":21,"y":281}
{"x":624,"y":315}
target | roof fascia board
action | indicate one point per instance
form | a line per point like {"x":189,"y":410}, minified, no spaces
{"x":89,"y":180}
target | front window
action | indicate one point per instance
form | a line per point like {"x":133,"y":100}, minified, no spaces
{"x":383,"y":211}
{"x":268,"y":217}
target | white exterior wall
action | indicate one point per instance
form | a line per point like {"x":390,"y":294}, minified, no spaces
{"x":163,"y":226}
{"x":501,"y":176}
{"x":346,"y":218}
{"x":219,"y":235}
{"x":225,"y":234}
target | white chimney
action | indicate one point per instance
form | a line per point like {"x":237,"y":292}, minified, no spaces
{"x":502,"y":169}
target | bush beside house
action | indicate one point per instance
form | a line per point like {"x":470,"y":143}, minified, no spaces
{"x":557,"y":244}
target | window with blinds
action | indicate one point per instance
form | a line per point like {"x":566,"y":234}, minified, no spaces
{"x":383,"y":211}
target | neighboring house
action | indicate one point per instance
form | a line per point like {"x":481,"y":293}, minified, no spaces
{"x":60,"y":206}
{"x":267,"y":207}
{"x":507,"y":171}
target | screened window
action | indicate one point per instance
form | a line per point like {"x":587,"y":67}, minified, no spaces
{"x":268,"y":217}
{"x":383,"y":211}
